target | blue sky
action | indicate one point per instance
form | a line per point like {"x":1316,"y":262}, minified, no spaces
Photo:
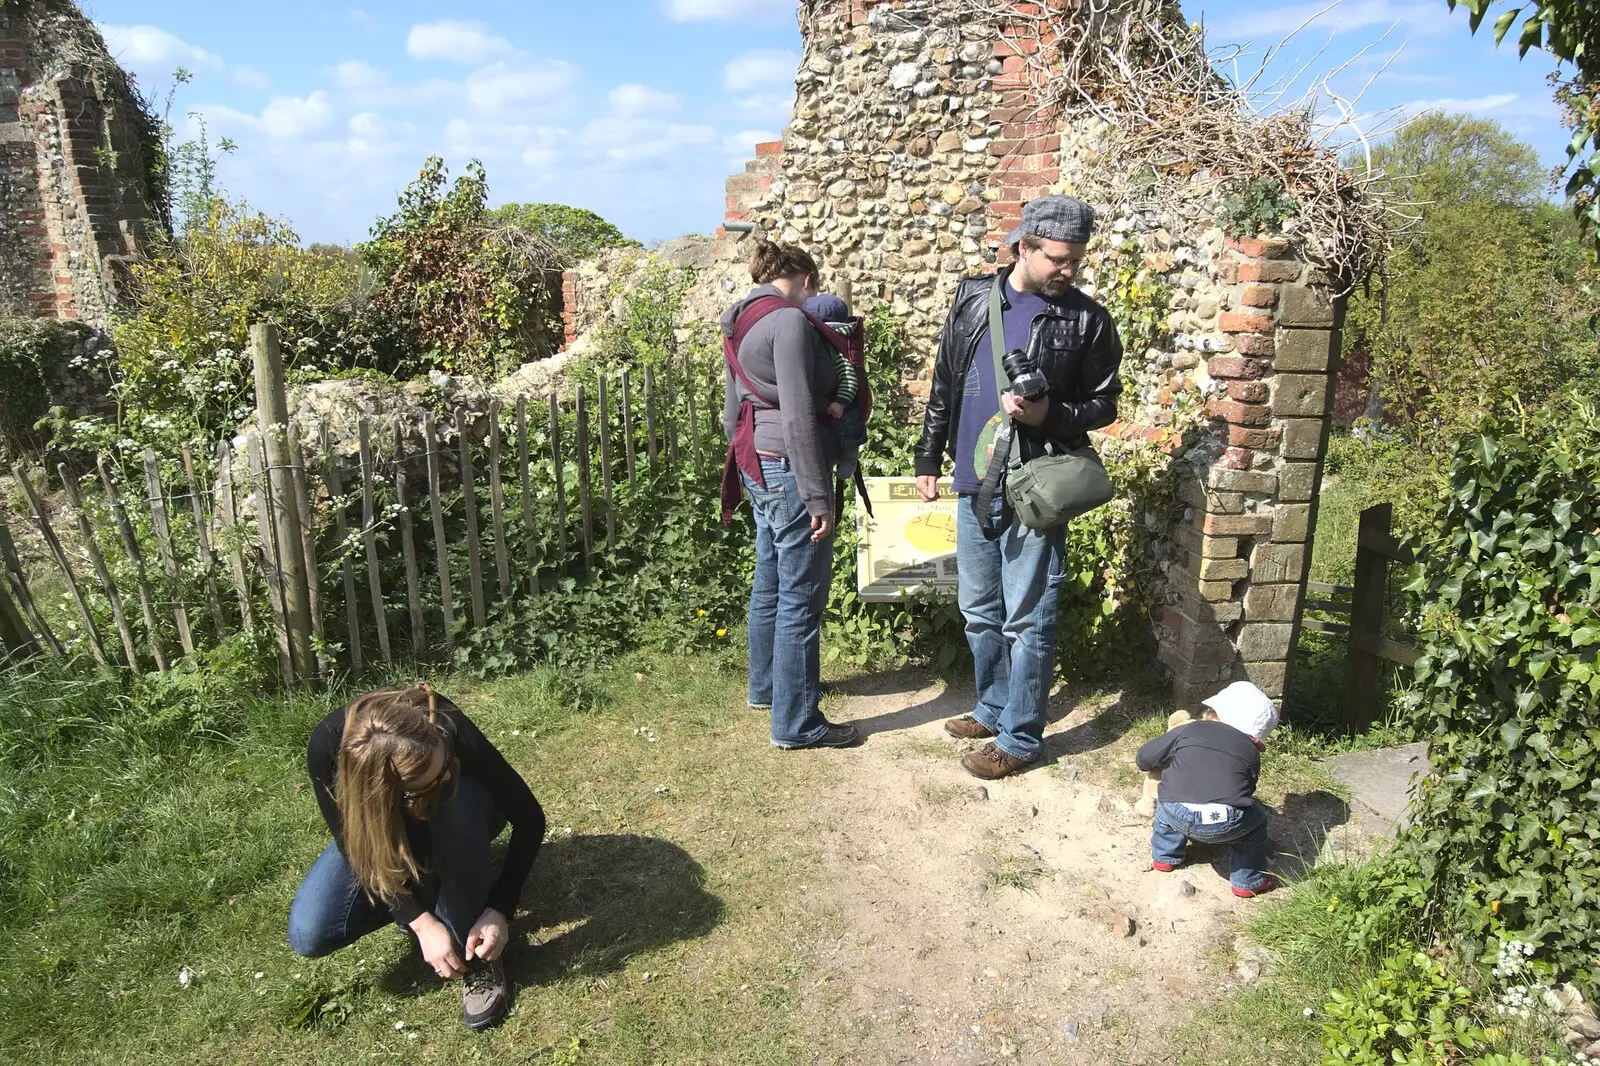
{"x":638,"y":109}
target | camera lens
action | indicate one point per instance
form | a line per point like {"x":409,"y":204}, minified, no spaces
{"x":1027,"y":380}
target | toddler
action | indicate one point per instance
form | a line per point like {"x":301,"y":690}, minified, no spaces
{"x":1209,"y":770}
{"x":847,"y":424}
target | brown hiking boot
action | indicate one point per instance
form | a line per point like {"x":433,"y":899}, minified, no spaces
{"x":989,"y":762}
{"x":485,"y":994}
{"x":967,"y":727}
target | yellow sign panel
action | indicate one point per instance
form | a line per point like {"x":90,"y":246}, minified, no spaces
{"x":907,"y":545}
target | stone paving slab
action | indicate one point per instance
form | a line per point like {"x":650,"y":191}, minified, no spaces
{"x":1380,"y":783}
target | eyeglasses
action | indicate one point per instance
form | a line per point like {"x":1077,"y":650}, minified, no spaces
{"x":1064,"y":262}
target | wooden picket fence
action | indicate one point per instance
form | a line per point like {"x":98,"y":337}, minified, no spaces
{"x":300,"y":549}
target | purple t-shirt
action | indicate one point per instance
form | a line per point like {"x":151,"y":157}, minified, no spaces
{"x":980,"y":400}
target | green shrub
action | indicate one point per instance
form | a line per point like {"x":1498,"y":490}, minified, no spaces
{"x":1507,"y":831}
{"x":1258,"y":206}
{"x":1411,"y":1013}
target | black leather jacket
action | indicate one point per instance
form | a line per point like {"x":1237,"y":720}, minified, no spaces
{"x":1078,"y":350}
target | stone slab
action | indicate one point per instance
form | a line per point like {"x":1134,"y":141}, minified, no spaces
{"x":1380,"y":783}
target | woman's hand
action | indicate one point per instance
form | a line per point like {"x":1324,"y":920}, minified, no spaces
{"x":836,"y":410}
{"x":488,"y":936}
{"x":438,"y":946}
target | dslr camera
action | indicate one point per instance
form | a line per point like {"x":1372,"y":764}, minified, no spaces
{"x":1027,"y":380}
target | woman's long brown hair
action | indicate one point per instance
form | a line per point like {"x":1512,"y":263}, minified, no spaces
{"x":391,"y":736}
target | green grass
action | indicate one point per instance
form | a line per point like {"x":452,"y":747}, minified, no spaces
{"x":148,"y":833}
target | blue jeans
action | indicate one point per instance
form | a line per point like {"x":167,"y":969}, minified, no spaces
{"x":332,"y":910}
{"x":787,"y":596}
{"x":1007,"y":589}
{"x":1245,"y":830}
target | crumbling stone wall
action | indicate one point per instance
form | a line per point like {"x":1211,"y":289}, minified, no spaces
{"x":917,"y":136}
{"x":76,"y":202}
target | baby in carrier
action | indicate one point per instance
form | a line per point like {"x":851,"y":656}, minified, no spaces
{"x":843,"y":409}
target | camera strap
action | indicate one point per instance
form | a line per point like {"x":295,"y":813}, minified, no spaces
{"x":994,"y":473}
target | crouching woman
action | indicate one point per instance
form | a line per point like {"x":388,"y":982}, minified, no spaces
{"x":413,"y":794}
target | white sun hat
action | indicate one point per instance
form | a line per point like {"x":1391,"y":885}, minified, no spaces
{"x":1246,"y":708}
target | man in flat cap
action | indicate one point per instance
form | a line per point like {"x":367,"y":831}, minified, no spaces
{"x":1009,"y":573}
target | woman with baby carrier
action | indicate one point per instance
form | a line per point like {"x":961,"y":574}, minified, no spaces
{"x":413,"y":794}
{"x":780,"y":380}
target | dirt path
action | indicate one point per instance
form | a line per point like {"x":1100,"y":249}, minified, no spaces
{"x":1016,"y":921}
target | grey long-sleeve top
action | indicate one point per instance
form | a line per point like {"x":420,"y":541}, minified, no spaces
{"x":787,"y":361}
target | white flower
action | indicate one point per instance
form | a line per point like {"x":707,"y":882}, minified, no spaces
{"x":399,"y":1026}
{"x":1308,"y":1012}
{"x":259,"y":975}
{"x":186,"y":977}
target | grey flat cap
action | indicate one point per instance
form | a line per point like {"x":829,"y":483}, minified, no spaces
{"x":1055,"y":218}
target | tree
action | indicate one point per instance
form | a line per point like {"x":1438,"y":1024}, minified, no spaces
{"x":1440,"y":158}
{"x":1570,"y":31}
{"x":1484,"y":305}
{"x":576,"y":233}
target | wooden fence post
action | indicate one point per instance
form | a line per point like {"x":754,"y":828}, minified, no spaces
{"x":202,"y":537}
{"x":341,"y":530}
{"x":42,"y":516}
{"x":98,"y":561}
{"x":156,"y":499}
{"x":369,"y":537}
{"x":16,"y":639}
{"x":408,"y":548}
{"x":11,"y":570}
{"x":230,"y":519}
{"x":1375,"y":547}
{"x":528,"y":549}
{"x":272,"y":408}
{"x":271,"y":557}
{"x":130,"y":545}
{"x":497,"y":506}
{"x":441,"y":549}
{"x":469,"y":497}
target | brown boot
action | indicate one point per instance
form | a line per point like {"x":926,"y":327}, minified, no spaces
{"x":989,"y":762}
{"x":967,"y":727}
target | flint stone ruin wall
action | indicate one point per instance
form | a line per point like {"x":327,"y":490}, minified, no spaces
{"x":916,"y":138}
{"x":75,"y":206}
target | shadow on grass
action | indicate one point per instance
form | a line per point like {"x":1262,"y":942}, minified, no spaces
{"x":610,"y":897}
{"x":613,"y":897}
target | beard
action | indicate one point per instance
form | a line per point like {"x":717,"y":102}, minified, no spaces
{"x":1055,"y":287}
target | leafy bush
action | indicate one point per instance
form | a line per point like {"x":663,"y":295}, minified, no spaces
{"x":43,"y":363}
{"x":479,"y":297}
{"x":1411,"y":1013}
{"x":1259,"y":206}
{"x":1507,"y":831}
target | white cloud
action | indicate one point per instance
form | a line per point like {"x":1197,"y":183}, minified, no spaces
{"x":765,"y":107}
{"x":1471,"y":106}
{"x":359,"y":74}
{"x":630,"y":140}
{"x":147,"y":47}
{"x":708,"y":10}
{"x":251,"y":78}
{"x":634,"y":100}
{"x":288,"y":117}
{"x":461,"y":42}
{"x":522,"y":85}
{"x":758,"y":70}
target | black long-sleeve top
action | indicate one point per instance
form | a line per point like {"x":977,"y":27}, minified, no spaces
{"x":479,"y":760}
{"x":1204,"y":762}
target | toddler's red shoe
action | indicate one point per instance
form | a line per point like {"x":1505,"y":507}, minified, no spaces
{"x":1251,"y":893}
{"x":1163,"y":867}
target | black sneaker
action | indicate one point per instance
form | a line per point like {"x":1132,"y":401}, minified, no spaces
{"x":837,"y":736}
{"x":485,"y":994}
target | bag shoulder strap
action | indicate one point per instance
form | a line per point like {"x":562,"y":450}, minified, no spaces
{"x":997,"y":336}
